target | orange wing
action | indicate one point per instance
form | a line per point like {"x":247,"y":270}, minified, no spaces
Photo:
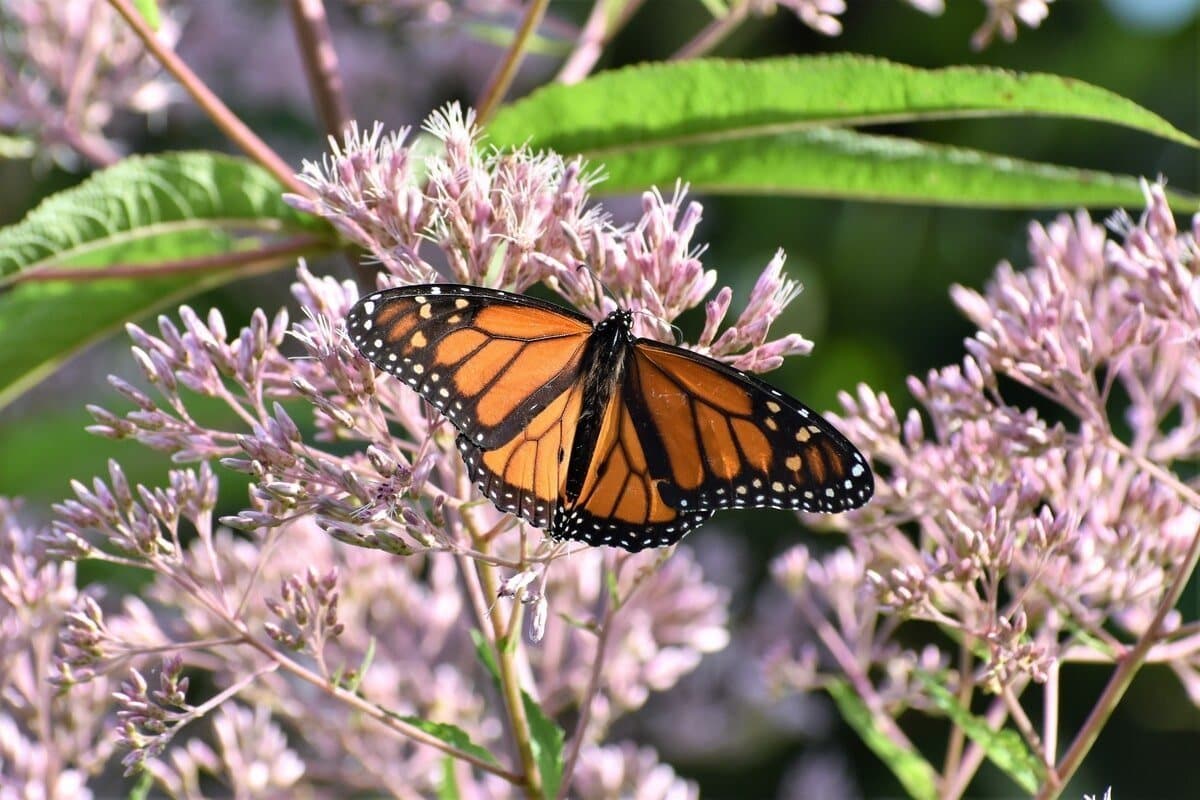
{"x":526,"y":475}
{"x":618,"y":499}
{"x":732,"y":441}
{"x":491,"y":361}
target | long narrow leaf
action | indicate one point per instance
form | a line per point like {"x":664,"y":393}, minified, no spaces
{"x":148,"y":199}
{"x":1005,"y":748}
{"x":842,"y":163}
{"x":781,"y":126}
{"x":659,"y":104}
{"x":912,"y":770}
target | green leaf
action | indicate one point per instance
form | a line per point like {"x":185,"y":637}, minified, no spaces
{"x":151,"y":210}
{"x":1005,"y":748}
{"x":777,"y":126}
{"x":451,"y":735}
{"x":840,"y":163}
{"x":666,"y":103}
{"x":149,"y":11}
{"x":141,"y":199}
{"x":447,"y":788}
{"x":915,"y":774}
{"x":546,"y":737}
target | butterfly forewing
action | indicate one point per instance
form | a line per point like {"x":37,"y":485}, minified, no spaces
{"x":733,"y":441}
{"x":489,"y":360}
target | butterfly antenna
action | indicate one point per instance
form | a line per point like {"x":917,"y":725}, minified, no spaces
{"x":658,"y":322}
{"x":600,"y":289}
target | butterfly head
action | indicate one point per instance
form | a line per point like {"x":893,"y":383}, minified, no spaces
{"x":617,"y":323}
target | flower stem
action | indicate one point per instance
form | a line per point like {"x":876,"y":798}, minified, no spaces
{"x":1131,"y":661}
{"x":593,"y":688}
{"x":714,"y":32}
{"x":320,"y":64}
{"x":602,"y":24}
{"x":505,"y":648}
{"x":226,"y":120}
{"x":372,"y":710}
{"x":501,"y":80}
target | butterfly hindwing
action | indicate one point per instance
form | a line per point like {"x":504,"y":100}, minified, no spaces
{"x":733,"y":441}
{"x":525,"y":475}
{"x":618,"y":500}
{"x":489,"y":360}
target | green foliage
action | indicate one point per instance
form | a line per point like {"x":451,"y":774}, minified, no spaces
{"x":1003,"y":747}
{"x":176,"y":207}
{"x":149,"y":11}
{"x":451,"y":735}
{"x":774,"y":126}
{"x":912,"y":770}
{"x":448,"y":786}
{"x":546,"y":736}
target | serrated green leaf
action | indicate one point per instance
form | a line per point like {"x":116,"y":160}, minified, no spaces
{"x":143,"y":198}
{"x":546,"y":737}
{"x":1005,"y":748}
{"x":842,"y":163}
{"x":148,"y":210}
{"x":451,"y":735}
{"x":666,"y":103}
{"x":915,"y":774}
{"x":149,"y":11}
{"x":777,"y":126}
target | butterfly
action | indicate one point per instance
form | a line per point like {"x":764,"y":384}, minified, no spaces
{"x":593,"y":434}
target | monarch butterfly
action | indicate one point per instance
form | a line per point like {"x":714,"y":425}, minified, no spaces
{"x":592,"y":434}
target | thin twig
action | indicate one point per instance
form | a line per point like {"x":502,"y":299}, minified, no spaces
{"x":954,"y":750}
{"x":955,"y":785}
{"x":481,"y":583}
{"x":1050,"y":701}
{"x":1127,"y":667}
{"x":367,"y":708}
{"x":601,"y":26}
{"x":713,"y":33}
{"x":501,"y":80}
{"x":321,"y":64}
{"x":222,"y":117}
{"x":503,"y":649}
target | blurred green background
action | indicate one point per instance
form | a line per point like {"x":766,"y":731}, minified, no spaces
{"x":875,"y":276}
